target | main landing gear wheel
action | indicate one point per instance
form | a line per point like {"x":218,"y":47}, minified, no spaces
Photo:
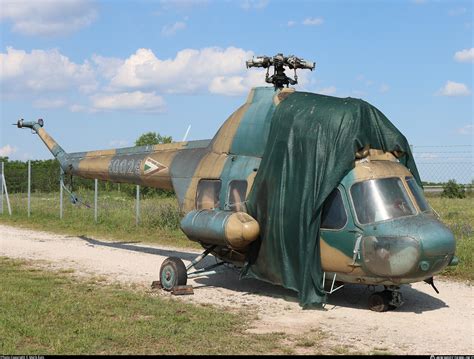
{"x":173,"y":273}
{"x":385,"y":300}
{"x":379,"y":302}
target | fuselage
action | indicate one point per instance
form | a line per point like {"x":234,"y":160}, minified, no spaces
{"x":376,"y":226}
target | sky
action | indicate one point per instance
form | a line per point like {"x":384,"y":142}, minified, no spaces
{"x":101,"y":73}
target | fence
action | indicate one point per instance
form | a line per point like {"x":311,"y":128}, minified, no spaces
{"x":35,"y":190}
{"x":39,"y":181}
{"x":439,"y":164}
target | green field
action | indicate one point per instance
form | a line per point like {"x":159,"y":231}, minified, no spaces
{"x":458,"y":215}
{"x":51,"y":312}
{"x":44,"y":312}
{"x":160,"y":217}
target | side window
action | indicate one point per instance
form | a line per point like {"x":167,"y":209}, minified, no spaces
{"x":237,"y":191}
{"x":334,"y":214}
{"x":207,"y":196}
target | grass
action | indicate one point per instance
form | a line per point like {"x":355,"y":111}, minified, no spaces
{"x":160,"y":219}
{"x":458,"y":215}
{"x":43,"y":312}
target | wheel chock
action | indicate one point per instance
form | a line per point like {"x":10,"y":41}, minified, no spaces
{"x":156,"y":284}
{"x":182,"y":290}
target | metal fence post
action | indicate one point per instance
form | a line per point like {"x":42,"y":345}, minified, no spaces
{"x":4,"y":187}
{"x":1,"y":189}
{"x":137,"y":216}
{"x":96,"y":182}
{"x":29,"y":188}
{"x":61,"y":185}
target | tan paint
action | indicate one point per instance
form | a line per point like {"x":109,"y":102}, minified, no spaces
{"x":94,"y":167}
{"x":282,"y":94}
{"x":47,"y":139}
{"x":170,"y":146}
{"x":250,"y":181}
{"x":333,"y":260}
{"x":379,"y":169}
{"x":210,"y":167}
{"x":226,"y":134}
{"x":111,"y":152}
{"x":240,"y":230}
{"x":379,"y":155}
{"x":162,"y":178}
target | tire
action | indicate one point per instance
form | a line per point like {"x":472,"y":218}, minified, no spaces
{"x":173,"y":273}
{"x":378,"y":302}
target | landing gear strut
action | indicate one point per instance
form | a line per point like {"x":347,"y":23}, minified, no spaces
{"x":390,"y":298}
{"x":174,"y":274}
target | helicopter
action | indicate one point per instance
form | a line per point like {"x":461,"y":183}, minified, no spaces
{"x":310,"y":203}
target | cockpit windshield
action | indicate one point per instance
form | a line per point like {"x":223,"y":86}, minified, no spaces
{"x":418,"y":194}
{"x":381,"y":199}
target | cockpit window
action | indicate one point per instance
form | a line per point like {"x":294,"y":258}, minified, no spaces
{"x":418,"y":194}
{"x":334,"y":215}
{"x":381,"y":199}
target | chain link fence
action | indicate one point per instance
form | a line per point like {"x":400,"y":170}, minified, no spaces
{"x":439,"y":164}
{"x":119,"y":202}
{"x":42,"y":196}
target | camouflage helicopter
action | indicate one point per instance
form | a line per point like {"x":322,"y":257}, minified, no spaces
{"x":298,"y":189}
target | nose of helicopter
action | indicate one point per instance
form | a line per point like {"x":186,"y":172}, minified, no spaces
{"x":416,"y":247}
{"x":438,"y":246}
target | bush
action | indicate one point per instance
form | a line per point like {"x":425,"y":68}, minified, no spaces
{"x":453,"y":190}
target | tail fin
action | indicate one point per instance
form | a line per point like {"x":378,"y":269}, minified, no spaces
{"x":52,"y":145}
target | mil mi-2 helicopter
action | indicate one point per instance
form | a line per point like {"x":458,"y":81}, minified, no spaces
{"x":298,"y":189}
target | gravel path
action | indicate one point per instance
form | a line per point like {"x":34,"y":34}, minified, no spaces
{"x":428,"y":323}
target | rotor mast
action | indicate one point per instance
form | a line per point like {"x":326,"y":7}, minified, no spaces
{"x":279,"y":79}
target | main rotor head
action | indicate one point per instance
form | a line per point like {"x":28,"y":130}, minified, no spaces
{"x":279,"y":79}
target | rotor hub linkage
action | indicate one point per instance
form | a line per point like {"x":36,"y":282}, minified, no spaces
{"x":279,"y":79}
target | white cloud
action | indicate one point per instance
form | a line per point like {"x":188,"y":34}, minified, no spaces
{"x":452,"y":88}
{"x":106,"y":67}
{"x":331,"y":90}
{"x":236,"y":85}
{"x":43,"y":71}
{"x":169,"y":30}
{"x":7,"y":150}
{"x":137,"y":100}
{"x":190,"y":71}
{"x":77,"y":108}
{"x":254,"y":4}
{"x":46,"y":103}
{"x":48,"y":17}
{"x":466,"y":55}
{"x":466,"y":130}
{"x":291,"y":23}
{"x":313,"y":21}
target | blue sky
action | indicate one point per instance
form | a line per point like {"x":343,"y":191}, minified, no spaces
{"x":100,"y":73}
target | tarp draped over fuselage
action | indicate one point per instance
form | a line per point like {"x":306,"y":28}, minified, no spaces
{"x":311,"y":147}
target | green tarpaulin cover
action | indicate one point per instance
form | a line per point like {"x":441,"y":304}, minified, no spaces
{"x":311,"y":147}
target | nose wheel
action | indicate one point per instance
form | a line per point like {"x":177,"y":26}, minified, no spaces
{"x":388,"y":299}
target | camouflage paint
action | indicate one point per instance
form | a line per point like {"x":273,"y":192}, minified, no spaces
{"x":235,"y":153}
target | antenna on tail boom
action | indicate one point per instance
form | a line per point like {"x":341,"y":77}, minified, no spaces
{"x":279,"y":79}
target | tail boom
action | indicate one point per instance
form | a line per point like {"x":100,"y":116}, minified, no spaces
{"x":144,"y":165}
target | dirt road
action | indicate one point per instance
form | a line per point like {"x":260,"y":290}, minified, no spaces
{"x":428,"y":323}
